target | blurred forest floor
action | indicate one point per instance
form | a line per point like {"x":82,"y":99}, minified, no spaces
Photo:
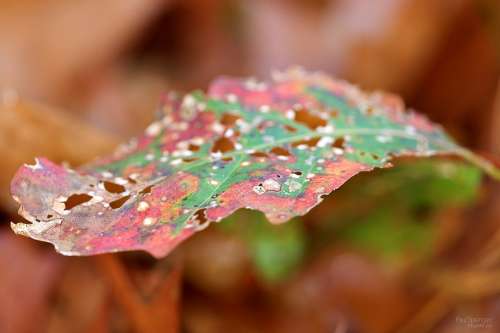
{"x":411,"y":249}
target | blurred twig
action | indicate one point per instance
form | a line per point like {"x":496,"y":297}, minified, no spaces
{"x":478,"y":279}
{"x":157,"y":312}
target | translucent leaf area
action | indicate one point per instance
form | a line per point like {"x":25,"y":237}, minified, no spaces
{"x":278,"y":147}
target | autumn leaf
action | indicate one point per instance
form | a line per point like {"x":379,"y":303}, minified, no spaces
{"x":278,"y":147}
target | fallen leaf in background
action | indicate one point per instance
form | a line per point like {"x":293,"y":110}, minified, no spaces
{"x":29,"y":129}
{"x":382,"y":44}
{"x":80,"y":294}
{"x":342,"y":288}
{"x":457,"y":94}
{"x":218,"y":264}
{"x":49,"y":46}
{"x":27,"y":279}
{"x":120,"y":99}
{"x":494,"y":136}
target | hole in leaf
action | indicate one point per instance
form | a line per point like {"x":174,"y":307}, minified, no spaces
{"x":119,"y":202}
{"x":223,"y":145}
{"x":113,"y":187}
{"x":280,"y":151}
{"x":229,"y":119}
{"x":259,"y":154}
{"x":308,"y":119}
{"x":298,"y":173}
{"x":338,"y":143}
{"x":75,"y":200}
{"x":146,"y":190}
{"x":310,"y":143}
{"x":200,"y":220}
{"x":193,"y":147}
{"x":200,"y":216}
{"x":131,"y":181}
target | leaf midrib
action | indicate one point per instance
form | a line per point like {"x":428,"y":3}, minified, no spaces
{"x":313,"y":135}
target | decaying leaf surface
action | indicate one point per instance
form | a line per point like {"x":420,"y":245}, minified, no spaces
{"x":278,"y":147}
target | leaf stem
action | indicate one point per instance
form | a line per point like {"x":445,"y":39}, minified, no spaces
{"x":482,"y":163}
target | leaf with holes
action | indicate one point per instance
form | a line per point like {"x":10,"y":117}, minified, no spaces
{"x":278,"y":147}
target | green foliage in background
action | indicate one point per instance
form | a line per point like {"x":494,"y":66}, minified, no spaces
{"x":391,"y":216}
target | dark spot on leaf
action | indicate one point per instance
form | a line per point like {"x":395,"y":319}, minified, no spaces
{"x":227,"y":159}
{"x":76,"y":199}
{"x":280,"y":151}
{"x":193,"y":147}
{"x":290,"y":129}
{"x":310,"y":143}
{"x":146,"y":190}
{"x":259,"y":154}
{"x":298,"y":173}
{"x":338,"y":143}
{"x":189,"y":159}
{"x":308,"y":119}
{"x":119,"y":202}
{"x":113,"y":187}
{"x":223,"y":145}
{"x":200,"y":215}
{"x":229,"y":119}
